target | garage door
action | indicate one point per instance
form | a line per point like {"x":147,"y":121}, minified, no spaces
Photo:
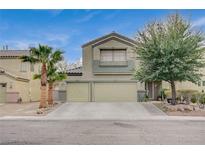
{"x":115,"y":92}
{"x":78,"y":92}
{"x":2,"y":94}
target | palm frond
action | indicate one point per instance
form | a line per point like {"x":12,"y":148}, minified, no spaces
{"x":36,"y":76}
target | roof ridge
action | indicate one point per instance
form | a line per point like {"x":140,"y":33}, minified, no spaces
{"x":109,"y":35}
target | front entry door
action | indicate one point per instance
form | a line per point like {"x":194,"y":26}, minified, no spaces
{"x":149,"y":88}
{"x":153,"y":89}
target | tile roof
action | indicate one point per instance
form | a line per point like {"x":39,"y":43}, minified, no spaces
{"x":75,"y":71}
{"x":13,"y":53}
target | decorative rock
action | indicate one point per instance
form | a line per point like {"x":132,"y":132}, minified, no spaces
{"x":180,"y":108}
{"x":188,"y":108}
{"x":171,"y":108}
{"x":39,"y":111}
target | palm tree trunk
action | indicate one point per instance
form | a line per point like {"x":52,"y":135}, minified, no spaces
{"x":50,"y":93}
{"x":43,"y":103}
{"x":173,"y":93}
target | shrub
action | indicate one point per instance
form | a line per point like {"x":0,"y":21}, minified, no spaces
{"x":163,"y":94}
{"x":167,"y":93}
{"x":186,"y":94}
{"x":194,"y":98}
{"x":146,"y":97}
{"x":202,"y":99}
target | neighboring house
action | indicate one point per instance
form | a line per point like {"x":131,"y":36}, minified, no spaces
{"x":16,"y":77}
{"x":107,"y":73}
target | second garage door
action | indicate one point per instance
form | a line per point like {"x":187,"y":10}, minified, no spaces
{"x":114,"y":92}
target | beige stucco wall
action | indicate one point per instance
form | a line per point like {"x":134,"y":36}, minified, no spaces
{"x":184,"y":86}
{"x":13,"y":65}
{"x":16,"y":86}
{"x":87,"y":63}
{"x":28,"y":90}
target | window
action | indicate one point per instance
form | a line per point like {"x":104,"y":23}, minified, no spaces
{"x":199,"y":84}
{"x":113,"y":55}
{"x":23,"y":67}
{"x":106,"y":55}
{"x":119,"y":56}
{"x":203,"y":83}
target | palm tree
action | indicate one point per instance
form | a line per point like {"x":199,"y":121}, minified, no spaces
{"x":53,"y":74}
{"x":40,"y":55}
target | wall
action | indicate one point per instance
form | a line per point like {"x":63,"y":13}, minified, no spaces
{"x":30,"y":90}
{"x":16,"y":86}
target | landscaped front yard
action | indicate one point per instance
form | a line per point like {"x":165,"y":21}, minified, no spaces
{"x":23,"y":109}
{"x":180,"y":109}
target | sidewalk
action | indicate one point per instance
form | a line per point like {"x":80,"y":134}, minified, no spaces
{"x":28,"y":109}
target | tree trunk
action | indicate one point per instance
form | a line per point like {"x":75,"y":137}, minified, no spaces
{"x":50,"y":94}
{"x":43,"y":103}
{"x":173,"y":93}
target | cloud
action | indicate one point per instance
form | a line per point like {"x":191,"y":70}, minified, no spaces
{"x":199,"y":22}
{"x":61,"y":38}
{"x":53,"y":40}
{"x":88,"y":17}
{"x":55,"y":12}
{"x":112,"y":15}
{"x":19,"y":44}
{"x":52,"y":12}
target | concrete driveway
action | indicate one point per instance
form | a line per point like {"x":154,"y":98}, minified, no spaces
{"x":105,"y":111}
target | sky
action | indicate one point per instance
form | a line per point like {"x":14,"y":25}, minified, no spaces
{"x":68,"y":30}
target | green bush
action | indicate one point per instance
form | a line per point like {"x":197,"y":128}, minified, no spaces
{"x":163,"y":93}
{"x":146,"y":97}
{"x":202,"y":99}
{"x":194,"y":98}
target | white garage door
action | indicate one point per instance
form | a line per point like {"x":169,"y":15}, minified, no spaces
{"x":115,"y":92}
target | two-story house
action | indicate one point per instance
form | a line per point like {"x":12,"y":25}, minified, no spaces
{"x":16,"y":77}
{"x":107,"y":73}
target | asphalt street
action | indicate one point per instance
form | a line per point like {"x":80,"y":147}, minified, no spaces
{"x":97,"y":132}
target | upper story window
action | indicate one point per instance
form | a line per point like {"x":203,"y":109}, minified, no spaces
{"x":23,"y":67}
{"x":106,"y":55}
{"x":113,"y":55}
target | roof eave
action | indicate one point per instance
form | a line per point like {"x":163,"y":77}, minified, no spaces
{"x":107,"y":36}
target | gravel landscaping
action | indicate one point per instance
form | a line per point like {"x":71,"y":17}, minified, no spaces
{"x":180,"y":109}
